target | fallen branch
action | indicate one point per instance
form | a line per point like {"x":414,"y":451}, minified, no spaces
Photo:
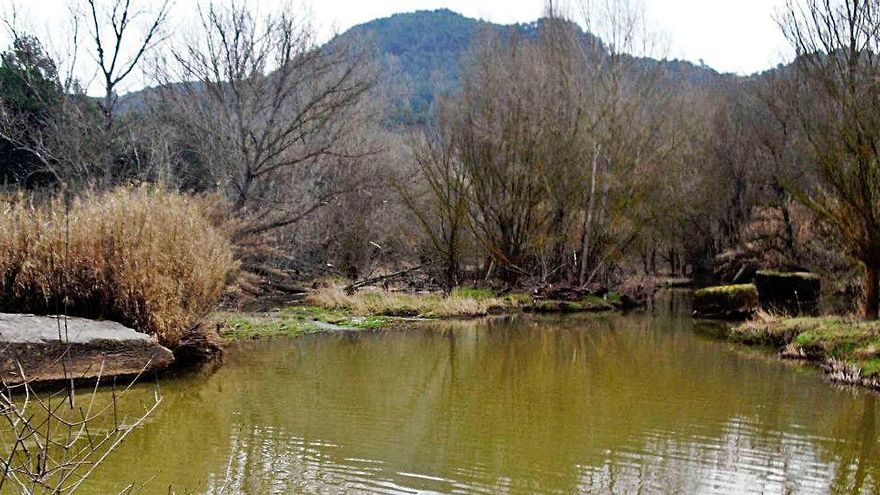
{"x":351,"y":289}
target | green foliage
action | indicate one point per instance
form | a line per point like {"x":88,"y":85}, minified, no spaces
{"x":425,"y":47}
{"x":30,"y":92}
{"x":424,"y":50}
{"x":28,"y":78}
{"x":473,"y":292}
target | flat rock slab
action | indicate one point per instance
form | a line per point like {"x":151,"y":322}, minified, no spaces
{"x":86,"y":349}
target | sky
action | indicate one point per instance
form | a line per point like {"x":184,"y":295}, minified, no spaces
{"x":738,"y":36}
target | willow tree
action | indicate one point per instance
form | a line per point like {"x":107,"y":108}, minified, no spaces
{"x":624,"y":119}
{"x":838,"y":91}
{"x":514,"y":131}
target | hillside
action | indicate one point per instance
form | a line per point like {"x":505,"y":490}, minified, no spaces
{"x":420,"y":55}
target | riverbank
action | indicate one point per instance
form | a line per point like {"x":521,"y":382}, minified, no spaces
{"x":847,"y":349}
{"x":333,"y":309}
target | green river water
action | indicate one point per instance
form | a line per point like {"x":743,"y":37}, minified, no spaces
{"x":638,"y":403}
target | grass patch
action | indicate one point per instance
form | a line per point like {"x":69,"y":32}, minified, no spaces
{"x":294,"y":321}
{"x":462,"y":303}
{"x":473,"y":293}
{"x":852,"y":341}
{"x":335,"y":317}
{"x":253,"y":327}
{"x":332,"y":309}
{"x":870,"y":367}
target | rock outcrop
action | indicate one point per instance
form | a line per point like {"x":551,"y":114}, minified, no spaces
{"x":48,"y":348}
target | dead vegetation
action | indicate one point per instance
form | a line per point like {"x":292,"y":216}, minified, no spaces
{"x":145,"y":257}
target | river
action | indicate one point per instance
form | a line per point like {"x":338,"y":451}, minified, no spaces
{"x":638,"y":403}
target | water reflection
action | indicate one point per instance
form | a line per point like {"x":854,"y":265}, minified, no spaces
{"x":622,"y":404}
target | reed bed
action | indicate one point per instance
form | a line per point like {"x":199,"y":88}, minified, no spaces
{"x":148,"y":258}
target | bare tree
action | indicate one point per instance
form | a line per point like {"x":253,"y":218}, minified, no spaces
{"x":257,"y":99}
{"x":55,"y":443}
{"x":495,"y":128}
{"x":117,"y":55}
{"x":44,"y":115}
{"x":837,"y":43}
{"x":624,"y":120}
{"x":442,"y":208}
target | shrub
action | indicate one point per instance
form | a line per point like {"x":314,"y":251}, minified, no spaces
{"x":145,"y":257}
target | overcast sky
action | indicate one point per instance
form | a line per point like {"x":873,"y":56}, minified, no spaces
{"x":738,"y":36}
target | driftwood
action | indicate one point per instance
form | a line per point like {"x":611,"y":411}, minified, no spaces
{"x":375,"y":280}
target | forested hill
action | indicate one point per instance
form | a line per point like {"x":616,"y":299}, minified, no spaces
{"x":423,"y":47}
{"x":421,"y":53}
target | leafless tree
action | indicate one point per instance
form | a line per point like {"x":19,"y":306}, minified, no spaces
{"x":259,"y":100}
{"x":442,"y":206}
{"x":624,"y":120}
{"x":117,"y":54}
{"x":838,"y":111}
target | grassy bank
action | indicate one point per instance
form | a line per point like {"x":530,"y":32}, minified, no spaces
{"x":334,"y":309}
{"x":294,"y":321}
{"x":462,"y":302}
{"x":849,"y":349}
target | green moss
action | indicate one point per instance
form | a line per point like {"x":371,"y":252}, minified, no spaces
{"x":870,"y":367}
{"x":614,"y":298}
{"x":726,"y":301}
{"x":243,"y":328}
{"x":725,"y":289}
{"x":297,"y":320}
{"x":366,"y":322}
{"x":799,"y":275}
{"x":473,"y":293}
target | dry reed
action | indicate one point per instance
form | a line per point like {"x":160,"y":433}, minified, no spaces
{"x":148,"y":258}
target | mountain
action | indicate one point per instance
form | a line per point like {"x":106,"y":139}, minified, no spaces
{"x":420,"y":56}
{"x":422,"y":47}
{"x":420,"y":53}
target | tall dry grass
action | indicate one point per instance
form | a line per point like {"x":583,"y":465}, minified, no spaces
{"x":145,"y":257}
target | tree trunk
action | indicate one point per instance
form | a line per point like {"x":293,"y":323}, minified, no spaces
{"x":588,"y":222}
{"x":872,"y":294}
{"x":107,"y":155}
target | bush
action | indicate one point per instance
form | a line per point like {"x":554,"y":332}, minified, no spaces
{"x":145,"y":257}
